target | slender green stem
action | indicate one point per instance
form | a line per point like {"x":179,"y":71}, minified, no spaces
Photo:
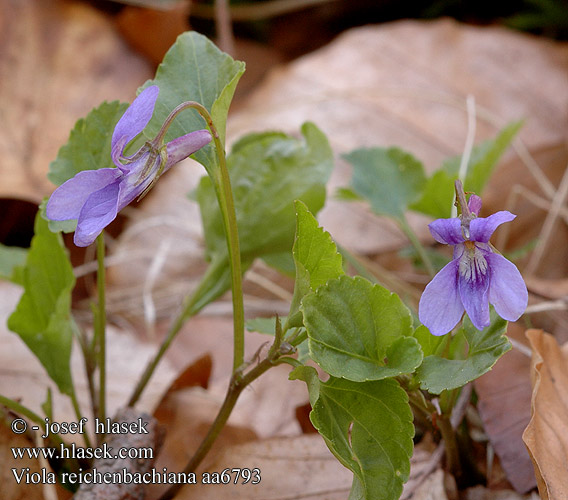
{"x":34,"y":417}
{"x":227,"y":205}
{"x":450,"y":443}
{"x":90,"y":364}
{"x":21,"y":409}
{"x":238,"y":383}
{"x":293,"y":362}
{"x":357,"y":265}
{"x":79,"y":415}
{"x":236,"y":387}
{"x":221,"y":181}
{"x":298,"y":339}
{"x":411,"y":235}
{"x":176,"y":326}
{"x":100,"y":326}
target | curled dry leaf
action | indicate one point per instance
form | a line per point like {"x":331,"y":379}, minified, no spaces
{"x":546,"y":436}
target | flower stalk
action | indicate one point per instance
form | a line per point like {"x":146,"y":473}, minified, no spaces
{"x":222,"y":184}
{"x":100,"y":326}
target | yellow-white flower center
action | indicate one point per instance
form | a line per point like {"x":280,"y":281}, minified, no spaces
{"x":473,"y":265}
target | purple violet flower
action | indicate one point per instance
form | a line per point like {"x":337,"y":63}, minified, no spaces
{"x":94,"y":197}
{"x":476,"y":277}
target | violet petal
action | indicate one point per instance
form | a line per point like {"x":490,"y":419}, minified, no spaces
{"x":482,"y":228}
{"x":133,"y":121}
{"x":507,"y":290}
{"x":440,"y":306}
{"x":447,"y":231}
{"x":474,"y":297}
{"x":474,"y":204}
{"x":99,"y":210}
{"x":68,"y":199}
{"x":182,"y":147}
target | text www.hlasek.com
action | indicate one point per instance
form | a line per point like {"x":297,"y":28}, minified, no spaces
{"x":104,"y":452}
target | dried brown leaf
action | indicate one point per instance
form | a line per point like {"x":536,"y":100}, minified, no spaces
{"x":197,"y":374}
{"x":549,"y":288}
{"x":152,"y":32}
{"x":546,"y":436}
{"x":300,"y":467}
{"x":60,"y":59}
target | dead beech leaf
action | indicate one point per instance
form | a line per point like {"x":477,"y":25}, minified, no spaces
{"x":268,"y":404}
{"x":546,"y":436}
{"x":299,"y":467}
{"x":197,"y":374}
{"x":481,"y":493}
{"x":59,"y":60}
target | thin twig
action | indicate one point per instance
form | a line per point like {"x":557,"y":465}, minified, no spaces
{"x":151,"y":277}
{"x":553,"y":305}
{"x":224,"y":27}
{"x":269,"y":285}
{"x":547,"y":228}
{"x":517,"y":191}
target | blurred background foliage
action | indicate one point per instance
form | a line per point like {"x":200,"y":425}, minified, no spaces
{"x":267,"y":20}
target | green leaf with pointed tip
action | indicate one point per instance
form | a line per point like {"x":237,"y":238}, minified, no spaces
{"x":315,"y":249}
{"x":10,"y":258}
{"x":315,"y":256}
{"x":367,"y":426}
{"x":88,"y":147}
{"x":437,"y":374}
{"x":390,"y":179}
{"x":360,"y":331}
{"x":194,"y":69}
{"x":42,"y":318}
{"x":268,"y":172}
{"x":438,"y":194}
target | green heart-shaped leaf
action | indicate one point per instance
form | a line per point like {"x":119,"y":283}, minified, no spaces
{"x":360,"y":331}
